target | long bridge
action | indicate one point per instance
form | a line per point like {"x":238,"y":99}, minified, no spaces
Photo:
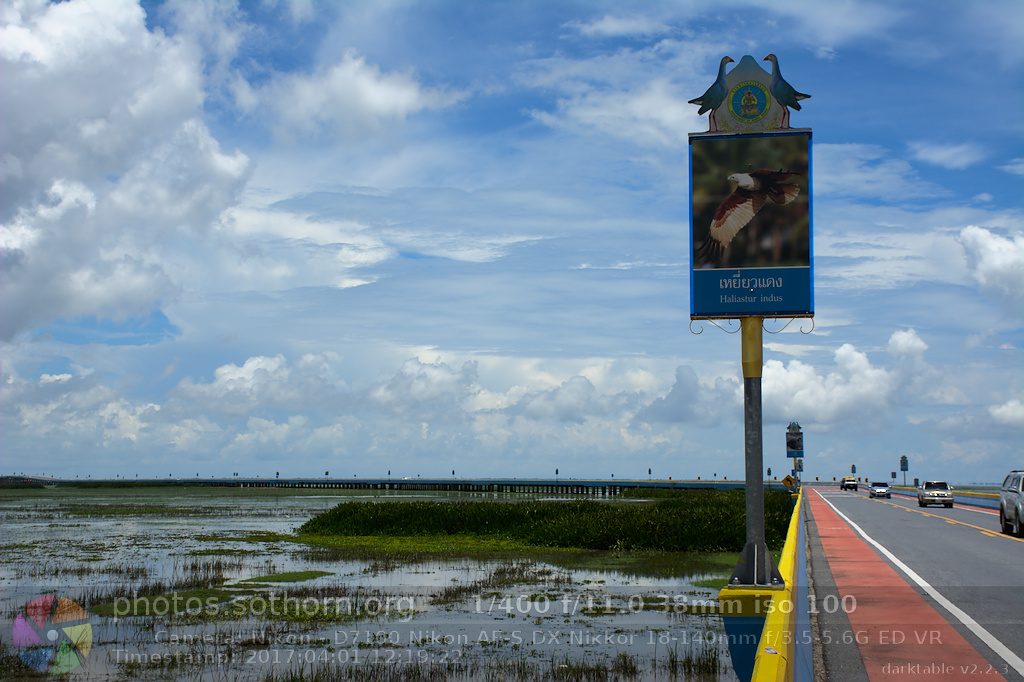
{"x":537,"y":486}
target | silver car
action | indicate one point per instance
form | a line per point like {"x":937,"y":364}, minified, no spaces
{"x":879,"y":489}
{"x":1011,"y":504}
{"x":935,"y":492}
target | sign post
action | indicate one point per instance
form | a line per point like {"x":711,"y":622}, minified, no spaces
{"x":904,"y":467}
{"x":750,"y":247}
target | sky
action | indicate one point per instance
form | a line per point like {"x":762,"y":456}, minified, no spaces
{"x":418,"y":237}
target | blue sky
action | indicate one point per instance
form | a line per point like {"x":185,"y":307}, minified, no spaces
{"x":417,"y":237}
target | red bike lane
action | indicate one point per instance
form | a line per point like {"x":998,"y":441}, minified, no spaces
{"x":900,"y":635}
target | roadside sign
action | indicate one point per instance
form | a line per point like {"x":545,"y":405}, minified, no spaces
{"x":789,"y":481}
{"x":904,"y":463}
{"x":794,"y":440}
{"x":750,"y":225}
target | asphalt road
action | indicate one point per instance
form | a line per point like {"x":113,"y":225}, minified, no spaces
{"x":959,"y":552}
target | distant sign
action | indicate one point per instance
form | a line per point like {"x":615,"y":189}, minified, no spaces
{"x":789,"y":481}
{"x":904,"y":464}
{"x":794,"y":441}
{"x":892,"y":476}
{"x":750,"y":225}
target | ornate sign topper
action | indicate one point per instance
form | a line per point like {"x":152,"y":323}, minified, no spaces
{"x":748,"y":99}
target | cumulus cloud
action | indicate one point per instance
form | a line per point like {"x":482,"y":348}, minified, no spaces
{"x":427,"y":389}
{"x":855,"y":387}
{"x":265,"y":383}
{"x":1010,"y":413}
{"x":100,"y":172}
{"x":996,"y":262}
{"x":680,"y":404}
{"x":573,"y":401}
{"x":906,"y":342}
{"x":952,"y":156}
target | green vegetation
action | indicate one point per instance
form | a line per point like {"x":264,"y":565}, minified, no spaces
{"x":288,"y":577}
{"x":699,"y":520}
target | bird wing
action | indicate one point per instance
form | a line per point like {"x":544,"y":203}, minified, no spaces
{"x":770,"y":182}
{"x":783,"y":194}
{"x":734,"y":213}
{"x":711,"y":98}
{"x":786,"y":94}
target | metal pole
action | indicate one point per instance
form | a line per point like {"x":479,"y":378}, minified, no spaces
{"x":756,"y":566}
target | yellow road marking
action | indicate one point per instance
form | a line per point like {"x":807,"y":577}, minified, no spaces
{"x":955,"y":522}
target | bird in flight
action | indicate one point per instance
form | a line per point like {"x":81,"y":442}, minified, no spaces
{"x":713,"y":96}
{"x":784,"y":93}
{"x":751,"y":191}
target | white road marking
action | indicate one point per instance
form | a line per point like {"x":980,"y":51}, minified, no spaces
{"x":1001,"y":650}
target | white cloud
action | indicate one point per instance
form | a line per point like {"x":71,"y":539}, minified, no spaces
{"x":421,"y":388}
{"x":639,"y":95}
{"x":101,"y":173}
{"x":1010,"y":413}
{"x":1015,"y":166}
{"x":995,"y":262}
{"x":610,"y":26}
{"x":573,"y":401}
{"x":906,"y":342}
{"x":866,"y":171}
{"x":264,"y":383}
{"x":349,"y":98}
{"x":853,"y":389}
{"x":953,"y":156}
{"x":652,"y":114}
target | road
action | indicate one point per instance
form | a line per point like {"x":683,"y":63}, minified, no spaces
{"x":955,"y":563}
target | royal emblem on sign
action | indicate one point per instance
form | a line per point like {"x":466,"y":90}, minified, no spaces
{"x":749,"y":101}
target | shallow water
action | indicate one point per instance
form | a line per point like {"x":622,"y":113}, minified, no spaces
{"x":452,"y":617}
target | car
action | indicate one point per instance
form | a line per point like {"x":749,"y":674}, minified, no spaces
{"x":1011,"y":503}
{"x":879,"y":489}
{"x":935,"y":492}
{"x":848,"y":483}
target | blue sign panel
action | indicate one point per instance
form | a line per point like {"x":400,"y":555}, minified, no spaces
{"x":750,"y":225}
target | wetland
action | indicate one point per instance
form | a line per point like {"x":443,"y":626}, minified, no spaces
{"x":192,"y":582}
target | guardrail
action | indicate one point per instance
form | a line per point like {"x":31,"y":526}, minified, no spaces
{"x":783,"y":653}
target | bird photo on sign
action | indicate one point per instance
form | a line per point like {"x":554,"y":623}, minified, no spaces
{"x":750,"y":201}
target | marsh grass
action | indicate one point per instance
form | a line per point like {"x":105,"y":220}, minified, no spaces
{"x":288,"y":577}
{"x":504,"y":575}
{"x":699,"y":520}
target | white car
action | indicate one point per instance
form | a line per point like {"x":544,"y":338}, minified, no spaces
{"x":935,"y":492}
